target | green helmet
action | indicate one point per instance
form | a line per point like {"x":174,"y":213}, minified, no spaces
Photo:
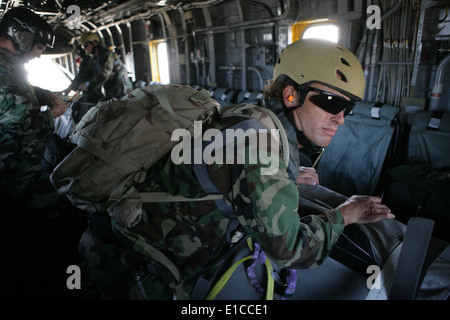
{"x":88,"y":37}
{"x":315,"y":60}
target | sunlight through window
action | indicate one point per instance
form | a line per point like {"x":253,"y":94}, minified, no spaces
{"x":327,"y":32}
{"x":163,"y":63}
{"x":43,"y":72}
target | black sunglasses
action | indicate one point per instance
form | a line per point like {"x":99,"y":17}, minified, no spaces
{"x":330,"y":102}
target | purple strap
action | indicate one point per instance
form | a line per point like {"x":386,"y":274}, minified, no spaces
{"x":291,"y":278}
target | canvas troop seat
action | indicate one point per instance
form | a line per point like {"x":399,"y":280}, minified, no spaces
{"x":249,"y":96}
{"x":430,"y":138}
{"x":225,"y":96}
{"x":422,"y":183}
{"x":353,"y":161}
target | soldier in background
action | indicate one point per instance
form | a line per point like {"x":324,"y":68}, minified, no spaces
{"x":100,"y":69}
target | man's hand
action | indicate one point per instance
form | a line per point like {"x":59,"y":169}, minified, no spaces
{"x":307,"y":176}
{"x":83,"y":86}
{"x":364,"y":209}
{"x":58,"y":108}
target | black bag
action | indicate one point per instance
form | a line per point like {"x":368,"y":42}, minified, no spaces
{"x":55,"y":150}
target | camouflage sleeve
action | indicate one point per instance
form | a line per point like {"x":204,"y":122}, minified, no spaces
{"x":267,"y":207}
{"x":45,"y":97}
{"x":23,"y":132}
{"x":107,"y":65}
{"x":84,"y":74}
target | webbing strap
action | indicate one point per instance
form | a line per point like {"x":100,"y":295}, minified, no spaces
{"x":140,"y":244}
{"x":412,"y":258}
{"x":279,"y":125}
{"x":163,"y":99}
{"x":291,"y":279}
{"x":224,"y":279}
{"x":384,"y":278}
{"x":143,"y":98}
{"x":259,"y":255}
{"x":400,"y":275}
{"x":201,"y":170}
{"x":119,"y":162}
{"x":167,"y":197}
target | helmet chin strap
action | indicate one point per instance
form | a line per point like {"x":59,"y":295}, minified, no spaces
{"x":301,"y":138}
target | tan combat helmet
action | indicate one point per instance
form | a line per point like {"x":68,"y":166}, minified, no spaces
{"x":315,"y":60}
{"x":89,"y":37}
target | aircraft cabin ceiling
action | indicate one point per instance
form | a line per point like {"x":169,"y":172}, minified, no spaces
{"x":102,"y":12}
{"x":56,"y":10}
{"x":94,"y":14}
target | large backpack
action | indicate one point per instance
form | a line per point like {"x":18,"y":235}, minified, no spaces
{"x":118,"y":140}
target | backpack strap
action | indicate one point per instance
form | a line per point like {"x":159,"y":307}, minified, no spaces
{"x":143,"y":98}
{"x":275,"y":119}
{"x":163,"y":99}
{"x":201,"y":169}
{"x":167,"y":197}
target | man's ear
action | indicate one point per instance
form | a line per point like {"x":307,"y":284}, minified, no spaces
{"x":290,"y":97}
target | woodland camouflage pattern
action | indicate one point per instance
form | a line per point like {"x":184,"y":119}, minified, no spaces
{"x":103,"y":69}
{"x":23,"y":128}
{"x":192,"y":234}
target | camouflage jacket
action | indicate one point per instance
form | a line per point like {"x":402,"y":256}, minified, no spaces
{"x":192,"y":234}
{"x":104,"y":69}
{"x":24,"y":128}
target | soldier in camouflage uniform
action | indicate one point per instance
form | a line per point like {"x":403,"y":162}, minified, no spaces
{"x":24,"y":129}
{"x":183,"y":239}
{"x":101,"y":68}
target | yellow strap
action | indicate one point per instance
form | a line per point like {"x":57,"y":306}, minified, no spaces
{"x":224,"y":279}
{"x":227,"y":275}
{"x":250,"y":244}
{"x":270,"y":282}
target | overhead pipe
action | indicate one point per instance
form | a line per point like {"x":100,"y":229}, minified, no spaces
{"x":437,"y":84}
{"x":261,"y":74}
{"x":373,"y":63}
{"x":371,"y":51}
{"x":266,"y":22}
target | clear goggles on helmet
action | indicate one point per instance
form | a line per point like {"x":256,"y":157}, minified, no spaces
{"x":331,"y":103}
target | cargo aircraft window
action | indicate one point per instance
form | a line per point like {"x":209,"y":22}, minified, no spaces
{"x":327,"y":32}
{"x":159,"y":61}
{"x":319,"y":28}
{"x":45,"y":73}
